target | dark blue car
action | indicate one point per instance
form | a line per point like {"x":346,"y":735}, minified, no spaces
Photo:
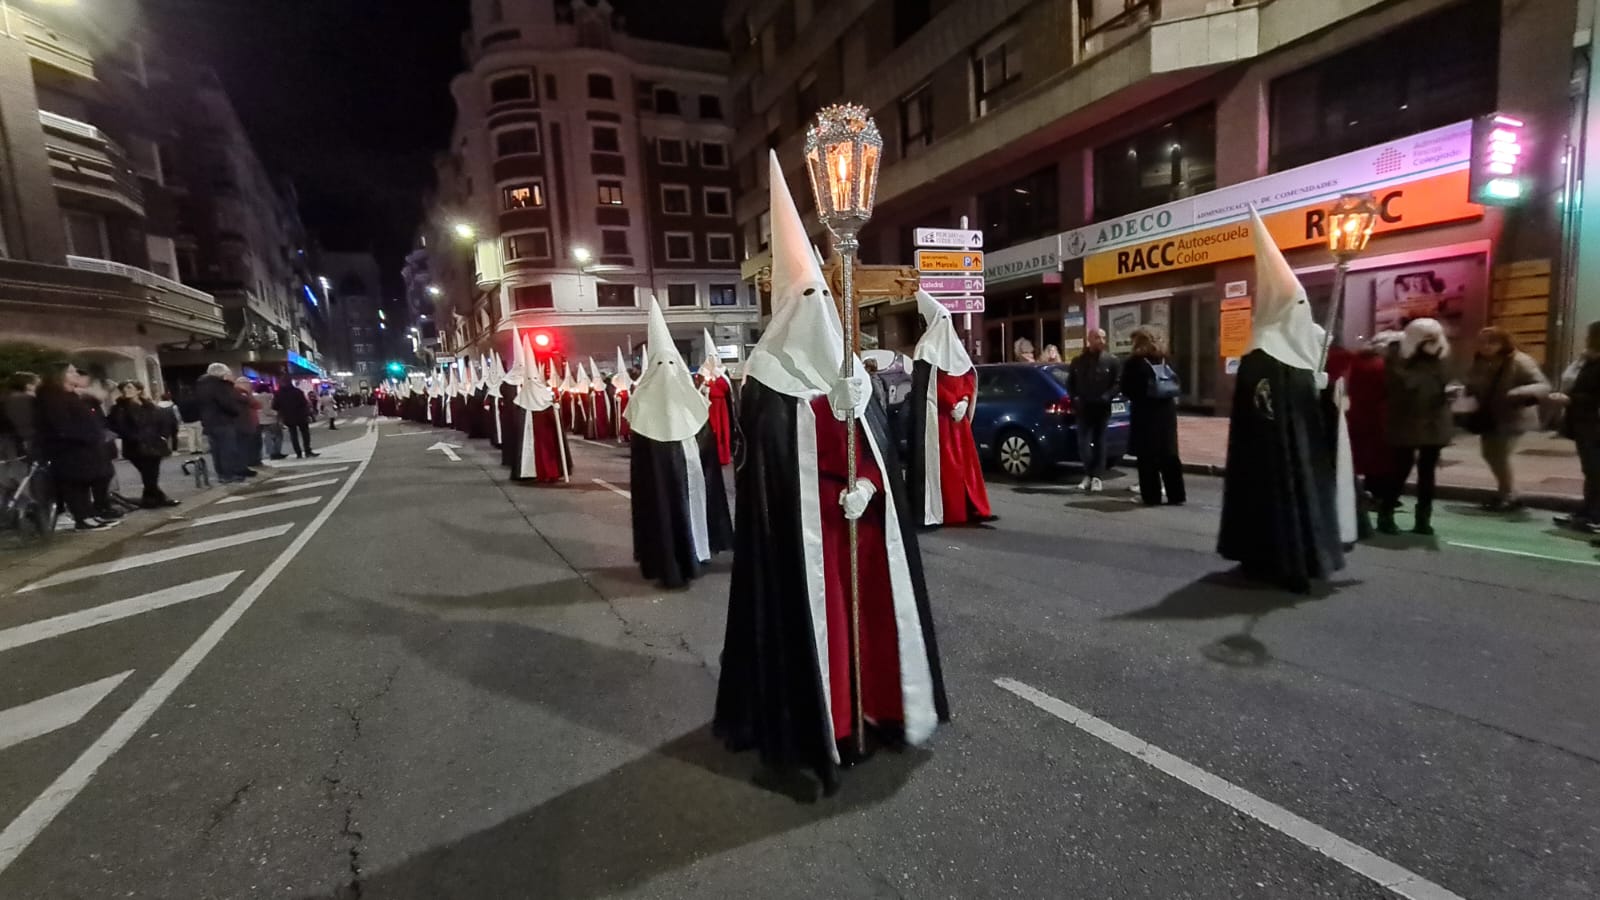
{"x":1024,"y":424}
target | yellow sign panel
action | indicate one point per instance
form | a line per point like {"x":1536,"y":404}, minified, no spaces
{"x":1234,"y":329}
{"x":950,"y":260}
{"x":1415,"y":204}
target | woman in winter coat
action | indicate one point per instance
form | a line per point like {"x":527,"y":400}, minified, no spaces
{"x":1507,"y":385}
{"x":72,"y":438}
{"x":1418,"y":392}
{"x":1153,"y":429}
{"x":146,"y":432}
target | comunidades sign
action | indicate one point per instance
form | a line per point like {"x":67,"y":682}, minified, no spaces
{"x":1023,"y":260}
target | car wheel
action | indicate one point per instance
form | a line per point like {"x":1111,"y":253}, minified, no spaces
{"x":1017,"y":456}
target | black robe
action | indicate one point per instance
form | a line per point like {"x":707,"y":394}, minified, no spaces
{"x":510,"y":428}
{"x":1279,"y":518}
{"x":663,"y":542}
{"x":770,"y":693}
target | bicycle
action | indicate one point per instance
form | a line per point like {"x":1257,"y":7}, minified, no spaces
{"x":27,"y":505}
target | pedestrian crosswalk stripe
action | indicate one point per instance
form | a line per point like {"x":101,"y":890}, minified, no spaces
{"x":44,"y":629}
{"x":277,"y":492}
{"x":219,"y":518}
{"x":52,"y":713}
{"x":1524,"y":553}
{"x":159,"y":556}
{"x":303,"y":475}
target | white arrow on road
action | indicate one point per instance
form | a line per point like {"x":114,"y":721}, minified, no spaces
{"x":447,"y":450}
{"x":26,"y":722}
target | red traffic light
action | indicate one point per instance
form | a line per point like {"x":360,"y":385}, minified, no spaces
{"x":541,"y":339}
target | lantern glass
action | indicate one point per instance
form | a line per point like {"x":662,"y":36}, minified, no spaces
{"x":843,"y":151}
{"x":1350,"y":224}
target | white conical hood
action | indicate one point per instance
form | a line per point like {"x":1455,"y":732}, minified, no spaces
{"x":533,"y":394}
{"x":580,"y":382}
{"x":665,"y":405}
{"x":496,"y":371}
{"x":553,"y":380}
{"x":644,"y":355}
{"x":567,"y":385}
{"x":711,"y":365}
{"x":596,"y":380}
{"x":519,"y":362}
{"x":940,"y":346}
{"x":801,"y":351}
{"x":621,"y":380}
{"x":1283,"y":328}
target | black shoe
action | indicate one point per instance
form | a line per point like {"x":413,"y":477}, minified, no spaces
{"x":278,"y":456}
{"x":1386,"y":523}
{"x":309,"y":454}
{"x":251,"y":473}
{"x":93,"y":524}
{"x":109,"y":515}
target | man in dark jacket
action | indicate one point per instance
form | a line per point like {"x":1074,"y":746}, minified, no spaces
{"x":72,"y":437}
{"x":1580,"y":396}
{"x":294,"y":412}
{"x":220,"y":412}
{"x":1092,"y":380}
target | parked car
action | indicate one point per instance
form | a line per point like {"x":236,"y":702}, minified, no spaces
{"x":1025,"y":425}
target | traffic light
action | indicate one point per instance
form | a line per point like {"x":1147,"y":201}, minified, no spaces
{"x":396,"y":369}
{"x":542,"y":340}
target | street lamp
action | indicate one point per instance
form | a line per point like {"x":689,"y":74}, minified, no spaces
{"x":464,"y":231}
{"x":582,"y":255}
{"x":843,"y":149}
{"x":1350,"y":225}
{"x":435,"y":291}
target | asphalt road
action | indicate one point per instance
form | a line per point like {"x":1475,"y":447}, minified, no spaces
{"x":427,"y":682}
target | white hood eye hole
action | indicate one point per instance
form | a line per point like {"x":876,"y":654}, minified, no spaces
{"x":809,"y":291}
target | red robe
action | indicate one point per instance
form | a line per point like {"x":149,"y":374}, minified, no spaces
{"x":966,"y":497}
{"x":543,"y":454}
{"x":600,"y":409}
{"x":720,"y":394}
{"x":1365,"y":383}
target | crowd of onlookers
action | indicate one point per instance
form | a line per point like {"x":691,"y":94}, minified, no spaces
{"x":72,"y":427}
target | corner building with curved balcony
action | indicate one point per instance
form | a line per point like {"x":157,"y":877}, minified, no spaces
{"x":588,"y":170}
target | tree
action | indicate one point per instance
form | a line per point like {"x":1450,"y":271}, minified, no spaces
{"x":20,"y":356}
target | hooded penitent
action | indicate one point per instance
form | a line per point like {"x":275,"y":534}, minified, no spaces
{"x":786,"y":681}
{"x":600,"y":410}
{"x":945,"y":475}
{"x":541,"y":448}
{"x":1286,"y":507}
{"x":680,"y":505}
{"x":621,"y":386}
{"x":718,"y":390}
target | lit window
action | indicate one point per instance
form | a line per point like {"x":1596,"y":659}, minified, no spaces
{"x":610,"y":193}
{"x":670,"y":152}
{"x":724,"y":295}
{"x":719,"y":247}
{"x":675,"y":200}
{"x":719,"y":201}
{"x":680,"y":246}
{"x":523,"y":196}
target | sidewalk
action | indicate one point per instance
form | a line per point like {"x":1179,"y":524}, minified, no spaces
{"x":1546,"y":466}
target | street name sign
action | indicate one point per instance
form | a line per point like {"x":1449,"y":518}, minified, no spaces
{"x":949,"y":261}
{"x":950,"y":238}
{"x":961,"y":304}
{"x":948,"y":284}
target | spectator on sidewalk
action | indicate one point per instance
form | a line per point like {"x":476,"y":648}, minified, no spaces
{"x":328,"y":406}
{"x":1092,"y":381}
{"x":72,"y":439}
{"x":1152,"y":389}
{"x":99,"y":393}
{"x":19,"y":416}
{"x":1580,"y":398}
{"x":1506,"y":385}
{"x":1052,"y":354}
{"x":1023,"y":348}
{"x":1420,"y":424}
{"x":145,"y":430}
{"x":250,"y":423}
{"x":294,"y":413}
{"x":271,"y":428}
{"x":220,"y":413}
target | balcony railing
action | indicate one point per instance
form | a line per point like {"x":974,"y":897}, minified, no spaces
{"x":84,"y":159}
{"x":139,"y":276}
{"x":1106,"y":23}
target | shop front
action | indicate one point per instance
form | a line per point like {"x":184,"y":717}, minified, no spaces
{"x":1023,"y":302}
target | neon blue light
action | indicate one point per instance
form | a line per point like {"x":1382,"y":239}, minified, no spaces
{"x":309,"y":294}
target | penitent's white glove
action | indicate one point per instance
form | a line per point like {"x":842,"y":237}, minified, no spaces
{"x":959,"y":411}
{"x":855,"y":502}
{"x":1322,"y":381}
{"x":849,"y":397}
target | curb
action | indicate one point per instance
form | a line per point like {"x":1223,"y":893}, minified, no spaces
{"x":1551,"y":502}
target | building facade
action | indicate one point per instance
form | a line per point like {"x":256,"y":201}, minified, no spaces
{"x":1109,"y":151}
{"x":589,"y":170}
{"x":359,"y":329}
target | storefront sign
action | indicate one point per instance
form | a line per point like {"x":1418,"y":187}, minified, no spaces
{"x":1497,"y":166}
{"x":947,"y":261}
{"x":1038,"y":257}
{"x":1233,"y":331}
{"x":952,"y":284}
{"x":953,"y":238}
{"x":1429,"y":201}
{"x":1432,"y":152}
{"x":961,"y":304}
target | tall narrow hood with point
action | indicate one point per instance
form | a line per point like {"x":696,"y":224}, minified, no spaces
{"x":940,"y":346}
{"x":622,"y":381}
{"x":533,"y":395}
{"x":664,"y":404}
{"x":1283,"y":327}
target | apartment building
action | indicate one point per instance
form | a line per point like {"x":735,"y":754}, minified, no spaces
{"x":589,"y":170}
{"x":360,"y":327}
{"x":1081,"y":135}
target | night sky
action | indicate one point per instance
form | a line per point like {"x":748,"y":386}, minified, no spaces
{"x":351,"y":98}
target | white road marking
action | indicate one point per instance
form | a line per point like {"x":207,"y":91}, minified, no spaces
{"x":236,"y":515}
{"x":42,"y":811}
{"x":276,"y":492}
{"x":45,"y":629}
{"x":408,"y":433}
{"x":302,"y":475}
{"x":159,"y":556}
{"x":613,"y":488}
{"x":57,"y":711}
{"x":1526,"y":553}
{"x":1360,"y":860}
{"x":447,"y":450}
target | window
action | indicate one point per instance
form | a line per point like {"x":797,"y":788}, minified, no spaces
{"x":613,"y":242}
{"x":523,"y":196}
{"x":610,"y":193}
{"x":719,"y":248}
{"x":710,"y":106}
{"x":601,"y":88}
{"x":999,"y":384}
{"x":515,"y":141}
{"x":680,"y":246}
{"x":667,"y":102}
{"x":909,"y":17}
{"x":550,"y":87}
{"x":996,"y":64}
{"x":1158,"y":165}
{"x":614,"y":295}
{"x":916,"y":121}
{"x":681,"y":295}
{"x":1021,"y":210}
{"x":675,"y":200}
{"x":511,"y":88}
{"x":528,"y":245}
{"x":714,"y":154}
{"x":719,"y":201}
{"x":724,"y":295}
{"x":606,"y":139}
{"x":533,"y":296}
{"x":86,"y":234}
{"x":670,"y":152}
{"x":1431,"y":72}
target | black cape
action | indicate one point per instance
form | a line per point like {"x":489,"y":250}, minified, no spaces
{"x":1279,"y":519}
{"x":770,"y":693}
{"x":510,"y":428}
{"x":663,"y":543}
{"x":915,"y":412}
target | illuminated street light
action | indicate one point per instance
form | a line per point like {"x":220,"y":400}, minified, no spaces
{"x":435,"y":291}
{"x":582,"y":255}
{"x":1350,"y":225}
{"x":465,"y":231}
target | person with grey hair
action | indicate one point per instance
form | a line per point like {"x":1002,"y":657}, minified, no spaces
{"x":221,"y":410}
{"x":1093,"y":379}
